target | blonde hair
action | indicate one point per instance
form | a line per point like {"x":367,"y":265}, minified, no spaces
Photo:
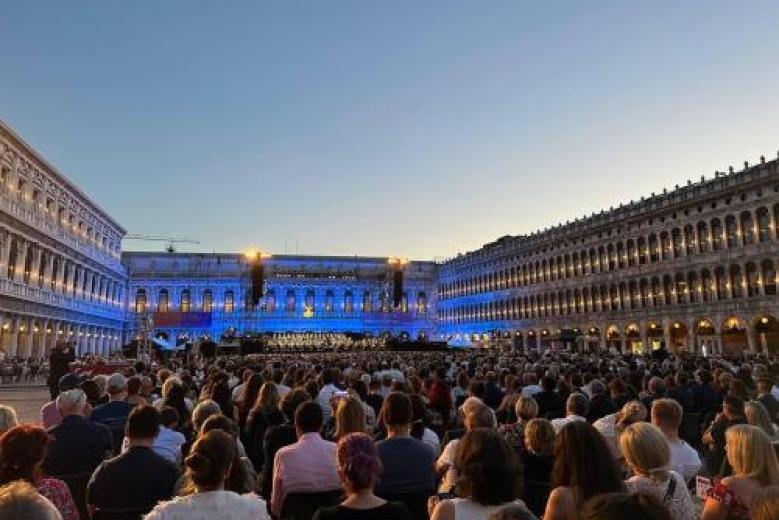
{"x":169,"y":383}
{"x":757,"y":415}
{"x":646,"y":450}
{"x":19,"y":500}
{"x":751,"y":454}
{"x":526,"y":408}
{"x":349,"y":417}
{"x":765,"y":504}
{"x":7,"y":418}
{"x":631,"y":412}
{"x":539,"y":436}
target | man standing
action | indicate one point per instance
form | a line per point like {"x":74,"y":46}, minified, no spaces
{"x":765,"y":396}
{"x":62,"y":355}
{"x":136,"y":480}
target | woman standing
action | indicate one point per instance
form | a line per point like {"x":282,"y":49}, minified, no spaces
{"x":265,"y":413}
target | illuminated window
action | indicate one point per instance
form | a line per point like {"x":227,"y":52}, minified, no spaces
{"x":229,"y":301}
{"x":348,"y":302}
{"x":163,"y":302}
{"x":185,"y":300}
{"x":421,"y":302}
{"x":140,"y":300}
{"x":208,"y":300}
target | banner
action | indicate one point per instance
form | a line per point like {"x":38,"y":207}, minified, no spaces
{"x":182,"y":319}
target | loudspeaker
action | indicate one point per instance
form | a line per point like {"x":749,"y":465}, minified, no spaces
{"x":397,"y":287}
{"x":258,"y":279}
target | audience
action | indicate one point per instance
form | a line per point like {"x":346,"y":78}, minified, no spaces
{"x":263,"y":413}
{"x":143,"y":476}
{"x":359,"y":467}
{"x":479,"y":415}
{"x":20,"y":501}
{"x":309,"y":464}
{"x":753,"y":459}
{"x":624,"y":506}
{"x":765,"y":504}
{"x":7,"y":418}
{"x":647,"y":456}
{"x":584,"y":467}
{"x":276,"y":437}
{"x":407,"y":462}
{"x":207,"y":467}
{"x":575,"y":410}
{"x":714,"y":438}
{"x":526,"y":408}
{"x":667,"y":416}
{"x":78,"y":445}
{"x":22,"y":450}
{"x":488,"y":478}
{"x":114,"y":413}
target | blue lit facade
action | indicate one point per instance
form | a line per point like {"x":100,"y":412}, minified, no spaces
{"x":301,"y":294}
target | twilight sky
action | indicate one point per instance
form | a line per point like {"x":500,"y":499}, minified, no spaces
{"x":401,"y":128}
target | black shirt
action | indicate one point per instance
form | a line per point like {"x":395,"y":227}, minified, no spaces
{"x":408,"y":466}
{"x":387,"y":511}
{"x":133,"y":481}
{"x":78,"y":446}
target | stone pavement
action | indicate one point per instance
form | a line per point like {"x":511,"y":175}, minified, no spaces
{"x":27,"y":401}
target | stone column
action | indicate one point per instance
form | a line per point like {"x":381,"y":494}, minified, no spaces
{"x":5,"y":252}
{"x":36,"y":267}
{"x":61,"y":277}
{"x":22,"y":250}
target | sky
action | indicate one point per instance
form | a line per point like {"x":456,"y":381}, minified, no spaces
{"x":418,"y":129}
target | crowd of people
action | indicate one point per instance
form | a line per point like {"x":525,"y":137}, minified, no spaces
{"x":346,"y":435}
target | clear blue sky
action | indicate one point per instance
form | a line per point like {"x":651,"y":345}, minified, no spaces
{"x":417,"y":129}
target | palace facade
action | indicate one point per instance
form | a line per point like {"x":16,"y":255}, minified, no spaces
{"x":693,"y":268}
{"x":60,"y":270}
{"x":212,"y":294}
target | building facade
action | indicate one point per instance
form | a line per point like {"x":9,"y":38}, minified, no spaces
{"x":60,"y":270}
{"x":301,"y":294}
{"x":692,"y":269}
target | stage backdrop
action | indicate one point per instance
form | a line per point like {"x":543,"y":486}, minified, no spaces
{"x":182,"y":319}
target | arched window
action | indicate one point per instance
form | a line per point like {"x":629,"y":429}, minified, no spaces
{"x":289,"y":305}
{"x":703,"y":237}
{"x":208,"y":300}
{"x":753,"y":281}
{"x":329,"y":301}
{"x":54,"y":272}
{"x":404,"y":302}
{"x":186,"y":300}
{"x":763,"y":225}
{"x":229,"y":301}
{"x":731,"y":231}
{"x":28,"y":264}
{"x":421,"y":302}
{"x":367,"y":302}
{"x":348,"y":302}
{"x":12,"y":259}
{"x":747,"y":228}
{"x":769,"y":278}
{"x":716,"y":234}
{"x":163,"y":301}
{"x":676,"y":237}
{"x":140,"y":300}
{"x":42,"y":268}
{"x":270,"y":301}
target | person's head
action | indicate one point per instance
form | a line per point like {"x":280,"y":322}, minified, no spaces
{"x":147,"y":386}
{"x":733,"y":406}
{"x":220,"y":422}
{"x":171,"y":382}
{"x":631,"y":412}
{"x":7,"y":418}
{"x":667,"y":415}
{"x":116,"y":386}
{"x":597,"y":387}
{"x":657,"y":385}
{"x":480,"y":417}
{"x":291,"y":401}
{"x":19,"y":500}
{"x":358,"y":462}
{"x":548,"y":383}
{"x":619,"y":506}
{"x":396,"y":411}
{"x":511,"y":512}
{"x":72,"y":402}
{"x":751,"y":454}
{"x":487,"y":467}
{"x":764,"y":385}
{"x":540,"y":436}
{"x":268,"y":399}
{"x":133,"y":386}
{"x":210,"y":458}
{"x":584,"y":461}
{"x":308,"y":418}
{"x":757,"y":415}
{"x":577,"y":404}
{"x":143,"y":425}
{"x":765,"y":504}
{"x":203,"y":411}
{"x":169,"y":417}
{"x":526,"y":408}
{"x":349,"y":417}
{"x":22,"y":450}
{"x":646,"y":450}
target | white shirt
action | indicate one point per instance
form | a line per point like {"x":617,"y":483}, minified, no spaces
{"x":775,"y":391}
{"x":283,"y":390}
{"x":680,"y":504}
{"x":325,"y":394}
{"x":531,"y":390}
{"x":210,"y":505}
{"x":430,"y":438}
{"x":684,"y":459}
{"x":167,"y":444}
{"x":558,"y":424}
{"x":237,"y":392}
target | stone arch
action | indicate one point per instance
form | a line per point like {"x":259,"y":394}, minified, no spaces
{"x":734,"y":334}
{"x":766,"y":333}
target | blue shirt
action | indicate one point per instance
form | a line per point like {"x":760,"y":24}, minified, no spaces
{"x":408,"y":466}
